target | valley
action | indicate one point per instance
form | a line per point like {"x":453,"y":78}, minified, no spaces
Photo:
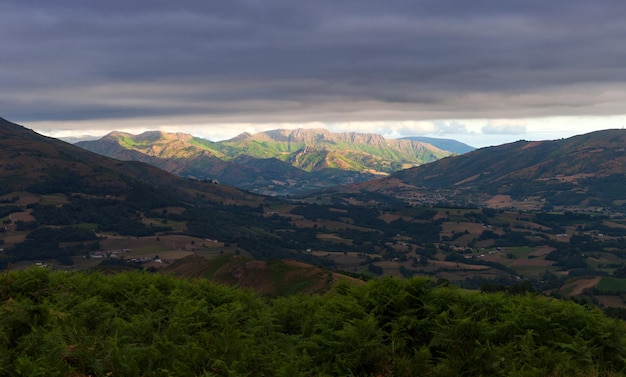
{"x":107,"y":263}
{"x":75,"y":210}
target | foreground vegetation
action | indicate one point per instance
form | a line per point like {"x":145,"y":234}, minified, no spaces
{"x":140,"y":324}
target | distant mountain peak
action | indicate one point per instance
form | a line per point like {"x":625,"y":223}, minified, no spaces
{"x":308,"y":135}
{"x":451,"y":145}
{"x":116,"y":135}
{"x":315,"y":135}
{"x":242,"y":137}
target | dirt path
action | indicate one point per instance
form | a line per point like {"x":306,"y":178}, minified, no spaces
{"x":583,"y":284}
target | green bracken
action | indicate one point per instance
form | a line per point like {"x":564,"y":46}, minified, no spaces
{"x":140,"y":324}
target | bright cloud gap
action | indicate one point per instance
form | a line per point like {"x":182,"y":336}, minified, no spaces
{"x":475,"y":132}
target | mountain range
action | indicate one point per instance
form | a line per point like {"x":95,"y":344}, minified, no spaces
{"x":276,"y":162}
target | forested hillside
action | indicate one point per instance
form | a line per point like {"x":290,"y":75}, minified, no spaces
{"x":140,"y":324}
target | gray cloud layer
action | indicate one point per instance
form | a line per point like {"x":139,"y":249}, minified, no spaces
{"x":297,"y":61}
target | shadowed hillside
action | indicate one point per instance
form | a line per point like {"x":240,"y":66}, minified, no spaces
{"x":585,"y":170}
{"x":39,"y":164}
{"x":59,"y":202}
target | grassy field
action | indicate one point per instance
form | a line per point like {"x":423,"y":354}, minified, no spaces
{"x":611,"y":285}
{"x":611,"y":301}
{"x":54,"y":199}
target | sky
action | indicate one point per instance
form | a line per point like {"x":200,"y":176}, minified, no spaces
{"x":482,"y":72}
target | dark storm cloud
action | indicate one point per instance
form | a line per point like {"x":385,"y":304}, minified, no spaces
{"x":316,"y":60}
